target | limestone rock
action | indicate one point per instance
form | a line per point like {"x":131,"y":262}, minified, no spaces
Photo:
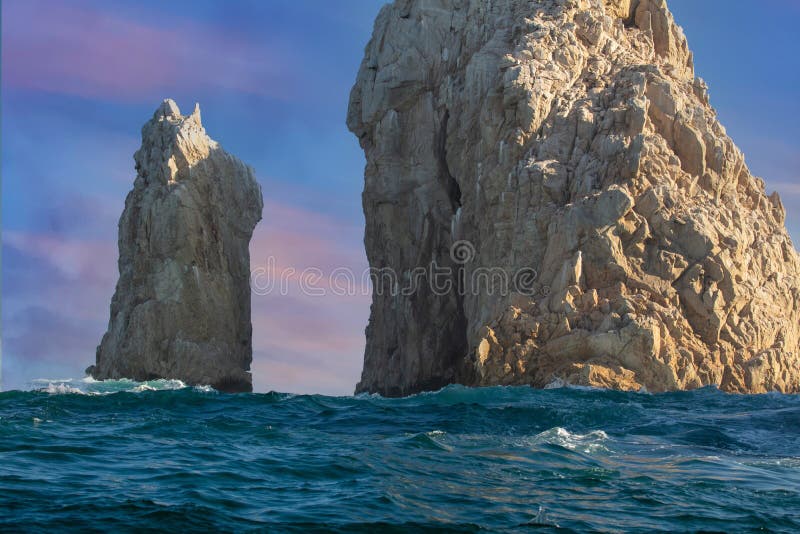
{"x":181,"y":309}
{"x":570,"y":139}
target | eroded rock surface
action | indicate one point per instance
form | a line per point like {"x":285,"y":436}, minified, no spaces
{"x":569,"y":137}
{"x":181,"y":309}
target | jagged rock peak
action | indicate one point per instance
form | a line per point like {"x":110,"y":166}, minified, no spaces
{"x":181,"y":309}
{"x":570,"y":139}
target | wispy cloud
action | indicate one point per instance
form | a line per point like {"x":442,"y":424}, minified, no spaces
{"x":71,"y":276}
{"x":79,"y":49}
{"x":298,"y":238}
{"x":786,"y":188}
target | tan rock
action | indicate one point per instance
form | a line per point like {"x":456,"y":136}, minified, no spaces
{"x":572,"y":138}
{"x":181,"y":309}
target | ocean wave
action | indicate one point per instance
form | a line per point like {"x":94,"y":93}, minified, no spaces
{"x":434,"y":439}
{"x":92,"y":387}
{"x":55,"y":388}
{"x":589,"y":443}
{"x":587,"y":460}
{"x":455,"y":394}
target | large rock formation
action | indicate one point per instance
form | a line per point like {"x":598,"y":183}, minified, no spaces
{"x":570,"y":140}
{"x":182,"y":304}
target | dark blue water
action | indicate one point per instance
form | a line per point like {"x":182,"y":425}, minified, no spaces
{"x":127,"y":458}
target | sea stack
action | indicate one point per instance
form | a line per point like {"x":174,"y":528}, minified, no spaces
{"x":181,"y":309}
{"x":562,"y":162}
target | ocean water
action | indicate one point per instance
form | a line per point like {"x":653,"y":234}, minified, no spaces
{"x":123,"y":456}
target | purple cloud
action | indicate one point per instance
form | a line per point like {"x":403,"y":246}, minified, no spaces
{"x":78,"y":49}
{"x":71,"y":276}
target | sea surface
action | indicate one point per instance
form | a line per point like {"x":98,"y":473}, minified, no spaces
{"x":123,"y":456}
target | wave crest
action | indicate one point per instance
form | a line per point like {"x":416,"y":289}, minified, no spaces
{"x":90,"y":386}
{"x":590,"y":442}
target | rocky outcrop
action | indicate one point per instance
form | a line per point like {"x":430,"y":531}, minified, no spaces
{"x":181,"y":309}
{"x":568,"y":140}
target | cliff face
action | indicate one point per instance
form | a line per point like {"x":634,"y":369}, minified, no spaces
{"x":567,"y":140}
{"x":182,"y":304}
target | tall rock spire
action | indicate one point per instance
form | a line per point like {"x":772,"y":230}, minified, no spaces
{"x":569,"y":140}
{"x":181,"y":309}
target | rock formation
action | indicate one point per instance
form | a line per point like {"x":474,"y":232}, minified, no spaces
{"x":181,"y":309}
{"x":568,"y":140}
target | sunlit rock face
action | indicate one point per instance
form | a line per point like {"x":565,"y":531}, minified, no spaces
{"x":181,"y":309}
{"x":570,"y":139}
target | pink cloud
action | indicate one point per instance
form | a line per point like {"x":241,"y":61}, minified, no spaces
{"x":56,"y":298}
{"x":303,"y":342}
{"x":75,"y":49}
{"x":289,"y":377}
{"x":300,"y":238}
{"x":70,"y":276}
{"x":75,"y":258}
{"x":311,"y":324}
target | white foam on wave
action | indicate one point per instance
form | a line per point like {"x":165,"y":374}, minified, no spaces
{"x":61,"y":388}
{"x":160,"y":385}
{"x":90,"y":386}
{"x":172,"y":384}
{"x":588,"y":443}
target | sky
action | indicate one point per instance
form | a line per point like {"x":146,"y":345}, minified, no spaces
{"x":78,"y":79}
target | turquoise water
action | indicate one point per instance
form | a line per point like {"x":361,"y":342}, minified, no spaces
{"x":121,"y":456}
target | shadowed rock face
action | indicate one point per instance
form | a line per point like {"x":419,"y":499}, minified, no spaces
{"x":181,"y":309}
{"x":570,"y":139}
